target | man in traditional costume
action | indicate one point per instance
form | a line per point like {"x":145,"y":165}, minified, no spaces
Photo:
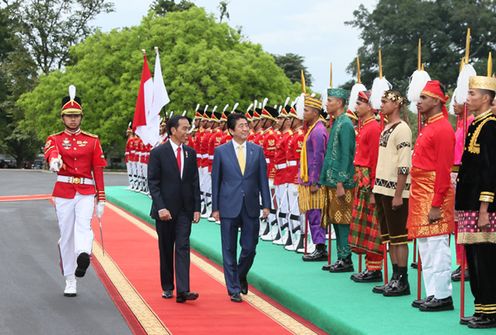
{"x":337,"y":175}
{"x":365,"y":237}
{"x":391,"y":191}
{"x":312,"y":197}
{"x":431,"y":204}
{"x":475,"y":201}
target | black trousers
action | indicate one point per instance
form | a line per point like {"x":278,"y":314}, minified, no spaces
{"x":173,"y":240}
{"x":481,"y":259}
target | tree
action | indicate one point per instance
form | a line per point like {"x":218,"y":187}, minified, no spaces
{"x":395,"y":26}
{"x":223,"y":10}
{"x":292,"y":64}
{"x":18,"y":74}
{"x":48,"y":28}
{"x":203,"y":62}
{"x":162,"y":7}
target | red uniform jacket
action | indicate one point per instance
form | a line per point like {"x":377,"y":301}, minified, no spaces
{"x":295,"y":144}
{"x":82,"y":157}
{"x":280,"y":161}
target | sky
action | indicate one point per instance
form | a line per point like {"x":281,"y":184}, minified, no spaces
{"x":314,"y":29}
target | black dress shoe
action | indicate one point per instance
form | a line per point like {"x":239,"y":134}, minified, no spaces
{"x":244,"y":286}
{"x":483,"y":321}
{"x":326,"y":267}
{"x":367,"y":276}
{"x":316,"y":256}
{"x":83,"y":261}
{"x":381,"y":288}
{"x":399,"y":287}
{"x":236,"y":297}
{"x":466,"y":319}
{"x":182,"y":297}
{"x":167,"y":294}
{"x":457,"y":275}
{"x":342,"y":265}
{"x":437,"y":305}
{"x":417,"y":303}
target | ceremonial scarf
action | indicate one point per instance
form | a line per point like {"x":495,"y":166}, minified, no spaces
{"x":303,"y":155}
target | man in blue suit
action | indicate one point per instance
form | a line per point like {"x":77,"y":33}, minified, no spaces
{"x":239,"y":178}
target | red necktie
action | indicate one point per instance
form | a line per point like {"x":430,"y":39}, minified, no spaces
{"x":178,"y":157}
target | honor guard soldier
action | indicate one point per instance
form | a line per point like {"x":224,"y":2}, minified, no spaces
{"x":78,"y":159}
{"x":127,"y":155}
{"x":293,"y":152}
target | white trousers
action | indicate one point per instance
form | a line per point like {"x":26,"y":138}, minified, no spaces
{"x":435,"y":254}
{"x":76,"y":236}
{"x":129,"y":168}
{"x":293,"y":202}
{"x":282,"y":198}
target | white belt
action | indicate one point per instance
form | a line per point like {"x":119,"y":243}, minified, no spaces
{"x":281,"y":166}
{"x":204,"y":156}
{"x":292,"y":163}
{"x":211,"y":157}
{"x":75,"y":180}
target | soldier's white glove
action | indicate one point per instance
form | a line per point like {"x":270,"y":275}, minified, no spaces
{"x":100,"y":205}
{"x":55,"y":164}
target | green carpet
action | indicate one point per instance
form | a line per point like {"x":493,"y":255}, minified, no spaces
{"x":331,"y":301}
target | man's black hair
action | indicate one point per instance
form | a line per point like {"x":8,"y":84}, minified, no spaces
{"x":173,"y":122}
{"x":233,"y":118}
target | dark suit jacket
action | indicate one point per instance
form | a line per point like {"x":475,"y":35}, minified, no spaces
{"x":230,"y":187}
{"x":167,"y":188}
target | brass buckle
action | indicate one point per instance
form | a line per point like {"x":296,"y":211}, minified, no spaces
{"x":76,"y":180}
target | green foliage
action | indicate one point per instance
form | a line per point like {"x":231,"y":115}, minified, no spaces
{"x":202,"y":62}
{"x":17,"y":75}
{"x":50,"y":27}
{"x":396,"y":26}
{"x":292,"y":64}
{"x":162,"y":7}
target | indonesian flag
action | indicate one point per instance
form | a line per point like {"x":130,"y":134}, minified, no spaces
{"x":160,"y":99}
{"x":144,"y":105}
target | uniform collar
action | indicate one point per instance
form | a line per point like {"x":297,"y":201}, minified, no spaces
{"x":435,"y":118}
{"x":77,"y":132}
{"x":483,"y":115}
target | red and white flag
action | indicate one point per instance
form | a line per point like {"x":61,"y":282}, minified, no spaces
{"x":160,"y":99}
{"x":144,"y":105}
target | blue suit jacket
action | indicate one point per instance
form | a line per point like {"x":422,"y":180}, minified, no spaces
{"x":229,"y":186}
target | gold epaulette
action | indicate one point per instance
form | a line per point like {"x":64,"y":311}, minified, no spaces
{"x":89,"y":134}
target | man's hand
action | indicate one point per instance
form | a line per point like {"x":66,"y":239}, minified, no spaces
{"x":397,"y":202}
{"x":314,"y":188}
{"x":434,"y":214}
{"x":372,"y":199}
{"x":100,"y":206}
{"x":483,"y":221}
{"x":340,"y":193}
{"x":265,"y":213}
{"x":216,"y":215}
{"x":164,"y":215}
{"x":55,"y":164}
{"x":196,"y":217}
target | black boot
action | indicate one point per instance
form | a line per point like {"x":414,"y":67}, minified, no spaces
{"x":398,"y":287}
{"x":437,"y":305}
{"x":319,"y":254}
{"x":380,"y":289}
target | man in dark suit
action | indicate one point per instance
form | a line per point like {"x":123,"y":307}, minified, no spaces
{"x":174,"y":187}
{"x":239,"y":177}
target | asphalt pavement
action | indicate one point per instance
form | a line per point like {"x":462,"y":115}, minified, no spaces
{"x":31,"y":284}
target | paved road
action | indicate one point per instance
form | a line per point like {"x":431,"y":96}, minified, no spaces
{"x":31,"y":285}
